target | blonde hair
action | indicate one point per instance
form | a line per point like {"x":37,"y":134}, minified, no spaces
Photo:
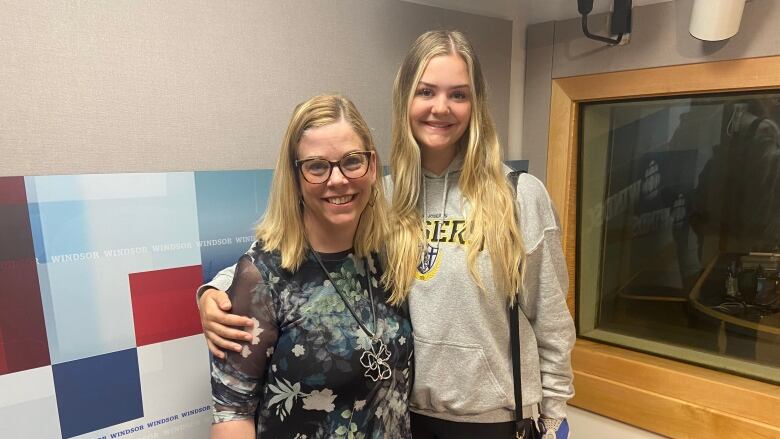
{"x":281,"y":227}
{"x":491,"y":222}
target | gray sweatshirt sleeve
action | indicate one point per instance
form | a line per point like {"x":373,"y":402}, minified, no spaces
{"x":224,"y":278}
{"x":545,"y":285}
{"x":221,"y":281}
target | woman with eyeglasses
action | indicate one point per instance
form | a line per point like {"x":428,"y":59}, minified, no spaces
{"x":326,"y":355}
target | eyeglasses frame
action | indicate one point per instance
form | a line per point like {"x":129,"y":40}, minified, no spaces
{"x":299,"y":163}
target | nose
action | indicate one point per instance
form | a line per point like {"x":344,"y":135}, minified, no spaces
{"x":337,"y":177}
{"x":440,"y":105}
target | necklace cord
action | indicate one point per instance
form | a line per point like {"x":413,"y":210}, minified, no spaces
{"x":371,"y":334}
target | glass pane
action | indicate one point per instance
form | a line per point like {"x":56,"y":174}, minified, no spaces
{"x":679,"y":229}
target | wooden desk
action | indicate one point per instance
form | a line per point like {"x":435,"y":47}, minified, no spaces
{"x":708,"y":293}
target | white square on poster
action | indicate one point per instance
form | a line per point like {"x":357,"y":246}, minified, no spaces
{"x":175,"y":375}
{"x":28,"y":405}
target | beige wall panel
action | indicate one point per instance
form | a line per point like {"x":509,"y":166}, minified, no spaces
{"x":128,"y":86}
{"x":660,"y":38}
{"x":536,"y":108}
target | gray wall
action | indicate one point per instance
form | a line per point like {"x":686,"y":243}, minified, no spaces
{"x":131,"y":86}
{"x":660,"y":38}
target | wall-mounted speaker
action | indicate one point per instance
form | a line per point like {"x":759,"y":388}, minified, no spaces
{"x":715,"y":20}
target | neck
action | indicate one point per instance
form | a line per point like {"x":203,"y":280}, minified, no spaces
{"x":328,"y":239}
{"x":437,"y":161}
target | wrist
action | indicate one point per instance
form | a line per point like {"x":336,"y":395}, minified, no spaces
{"x":553,"y":428}
{"x":553,"y":408}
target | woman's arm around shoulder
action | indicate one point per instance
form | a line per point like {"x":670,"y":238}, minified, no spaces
{"x":237,"y":381}
{"x":220,"y":327}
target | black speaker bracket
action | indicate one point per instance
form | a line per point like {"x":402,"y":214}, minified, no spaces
{"x":620,"y":22}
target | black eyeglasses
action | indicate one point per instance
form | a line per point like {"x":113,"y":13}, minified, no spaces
{"x":317,"y":170}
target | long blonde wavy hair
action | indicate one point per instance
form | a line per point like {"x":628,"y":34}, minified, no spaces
{"x":281,"y":227}
{"x":491,"y":222}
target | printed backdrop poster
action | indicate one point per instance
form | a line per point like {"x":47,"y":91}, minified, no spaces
{"x":99,"y":331}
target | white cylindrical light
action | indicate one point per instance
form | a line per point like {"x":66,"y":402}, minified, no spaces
{"x":715,"y":20}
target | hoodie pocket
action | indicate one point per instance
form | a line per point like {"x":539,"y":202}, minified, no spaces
{"x":455,"y":378}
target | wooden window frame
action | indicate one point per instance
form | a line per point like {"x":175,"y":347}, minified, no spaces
{"x":657,"y":394}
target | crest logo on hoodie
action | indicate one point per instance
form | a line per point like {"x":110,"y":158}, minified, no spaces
{"x":437,"y":231}
{"x":429,"y":262}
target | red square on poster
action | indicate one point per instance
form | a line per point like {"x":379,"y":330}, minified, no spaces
{"x":12,"y":190}
{"x":164,"y":305}
{"x":23,"y":341}
{"x":3,"y":362}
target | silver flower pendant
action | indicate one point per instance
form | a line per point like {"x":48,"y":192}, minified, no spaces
{"x":375,"y":362}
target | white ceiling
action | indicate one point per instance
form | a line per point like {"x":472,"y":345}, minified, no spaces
{"x":529,"y":11}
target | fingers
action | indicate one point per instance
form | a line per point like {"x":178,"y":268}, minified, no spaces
{"x":221,"y":329}
{"x":219,"y":317}
{"x":213,"y":309}
{"x":224,"y":304}
{"x":215,"y":351}
{"x":221,"y":299}
{"x":229,"y":332}
{"x":220,"y":342}
{"x":213,"y":295}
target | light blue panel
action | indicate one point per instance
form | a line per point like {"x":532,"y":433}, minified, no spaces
{"x":89,"y":311}
{"x":90,"y":187}
{"x":89,"y":247}
{"x":229,"y":205}
{"x":64,"y":226}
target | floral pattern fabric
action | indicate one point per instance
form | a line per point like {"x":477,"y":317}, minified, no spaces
{"x":301,"y":373}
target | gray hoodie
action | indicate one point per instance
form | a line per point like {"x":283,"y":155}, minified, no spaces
{"x":463,"y":365}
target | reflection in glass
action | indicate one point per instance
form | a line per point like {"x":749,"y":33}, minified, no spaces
{"x":679,"y":229}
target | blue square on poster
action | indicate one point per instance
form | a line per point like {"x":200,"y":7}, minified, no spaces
{"x":229,"y":205}
{"x":98,"y":392}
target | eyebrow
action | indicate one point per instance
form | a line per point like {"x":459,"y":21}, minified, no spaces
{"x":427,"y":84}
{"x":345,"y":154}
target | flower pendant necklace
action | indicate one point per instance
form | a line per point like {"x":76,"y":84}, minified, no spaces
{"x":375,"y":361}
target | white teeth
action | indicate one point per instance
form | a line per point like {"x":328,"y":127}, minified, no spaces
{"x":340,"y":200}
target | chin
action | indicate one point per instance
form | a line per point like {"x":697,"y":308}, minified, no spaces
{"x":343,"y":219}
{"x":439,"y":145}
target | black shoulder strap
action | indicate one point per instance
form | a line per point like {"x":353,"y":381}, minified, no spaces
{"x":513,"y":177}
{"x":514,"y":333}
{"x":514,"y":339}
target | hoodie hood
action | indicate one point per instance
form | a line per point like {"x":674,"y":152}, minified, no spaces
{"x":455,"y":166}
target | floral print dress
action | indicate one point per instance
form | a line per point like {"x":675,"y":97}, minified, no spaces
{"x":301,"y":374}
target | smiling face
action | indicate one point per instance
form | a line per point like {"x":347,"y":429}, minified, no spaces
{"x":332,"y":209}
{"x":441,"y":109}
